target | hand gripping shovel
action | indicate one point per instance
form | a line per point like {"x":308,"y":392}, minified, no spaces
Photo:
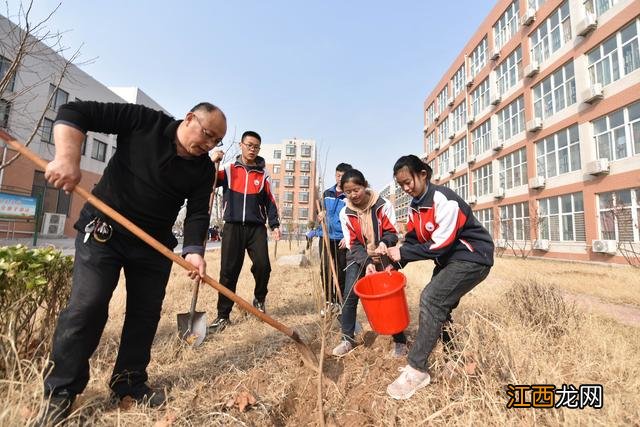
{"x":308,"y":357}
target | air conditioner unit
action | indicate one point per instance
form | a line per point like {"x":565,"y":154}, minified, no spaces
{"x":501,"y":243}
{"x":53,"y":224}
{"x":472,"y":200}
{"x":605,"y":246}
{"x":598,"y":167}
{"x":471,"y":119}
{"x":541,"y":245}
{"x":425,"y":128}
{"x":594,"y":93}
{"x":495,"y":54}
{"x":495,"y":99}
{"x":532,"y":69}
{"x":469,"y":81}
{"x":534,"y":125}
{"x":586,"y":25}
{"x":452,"y":135}
{"x":497,"y":146}
{"x":452,"y":170}
{"x":450,"y":101}
{"x":437,"y":177}
{"x":528,"y":17}
{"x":499,"y":193}
{"x":537,"y":182}
{"x":471,"y":160}
{"x":436,"y":146}
{"x":437,"y":118}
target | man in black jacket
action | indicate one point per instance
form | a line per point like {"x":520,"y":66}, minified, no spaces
{"x":159,"y":162}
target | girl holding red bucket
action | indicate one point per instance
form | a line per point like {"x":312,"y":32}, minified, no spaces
{"x":441,"y":227}
{"x":368,"y":223}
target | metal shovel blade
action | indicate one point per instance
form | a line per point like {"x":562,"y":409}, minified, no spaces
{"x":195,"y":334}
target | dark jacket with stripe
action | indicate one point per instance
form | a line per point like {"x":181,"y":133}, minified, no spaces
{"x":384,"y":230}
{"x":247,"y":194}
{"x":442,"y":227}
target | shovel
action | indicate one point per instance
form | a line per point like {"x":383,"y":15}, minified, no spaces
{"x":308,"y":357}
{"x":192,"y":326}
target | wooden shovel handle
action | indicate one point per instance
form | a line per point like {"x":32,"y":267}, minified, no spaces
{"x":142,"y":235}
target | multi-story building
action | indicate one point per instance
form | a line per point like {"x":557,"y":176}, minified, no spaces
{"x":292,"y":166}
{"x":22,"y":103}
{"x":537,"y":125}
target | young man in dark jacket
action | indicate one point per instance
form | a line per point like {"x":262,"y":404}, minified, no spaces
{"x":248,"y":204}
{"x":158,"y":164}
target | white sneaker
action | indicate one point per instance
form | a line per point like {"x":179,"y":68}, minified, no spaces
{"x":409,"y":381}
{"x":398,"y":349}
{"x":343,"y":348}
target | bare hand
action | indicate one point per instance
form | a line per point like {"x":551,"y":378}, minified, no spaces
{"x":342,"y":244}
{"x":63,"y":174}
{"x":381,"y":249}
{"x":216,"y":156}
{"x":371,"y":268}
{"x":276,"y":234}
{"x":321,"y":216}
{"x":199,"y":263}
{"x":394,"y":253}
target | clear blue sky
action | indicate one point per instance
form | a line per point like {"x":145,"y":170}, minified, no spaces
{"x":352,"y":75}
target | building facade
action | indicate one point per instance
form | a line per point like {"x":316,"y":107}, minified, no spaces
{"x":292,"y":166}
{"x":537,"y":125}
{"x":22,"y":103}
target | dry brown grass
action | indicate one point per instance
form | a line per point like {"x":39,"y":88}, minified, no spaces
{"x":514,"y":327}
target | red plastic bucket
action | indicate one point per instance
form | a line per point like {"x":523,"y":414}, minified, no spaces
{"x":384,"y":301}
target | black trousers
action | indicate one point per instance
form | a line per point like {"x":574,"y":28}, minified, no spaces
{"x":236,"y":238}
{"x":339,"y":261}
{"x":96,"y":271}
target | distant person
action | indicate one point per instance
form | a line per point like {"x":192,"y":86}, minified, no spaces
{"x":159,"y":163}
{"x":441,"y":228}
{"x":369,"y":226}
{"x":249,"y":204}
{"x":333,"y":200}
{"x":310,"y":235}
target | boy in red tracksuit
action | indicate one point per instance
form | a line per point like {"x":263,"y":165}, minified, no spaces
{"x":248,"y":205}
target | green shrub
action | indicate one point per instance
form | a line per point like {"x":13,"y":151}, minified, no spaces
{"x":34,"y":286}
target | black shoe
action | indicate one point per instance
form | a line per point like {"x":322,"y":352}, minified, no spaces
{"x":56,"y":410}
{"x":259,"y":305}
{"x":142,"y":395}
{"x":219,"y":325}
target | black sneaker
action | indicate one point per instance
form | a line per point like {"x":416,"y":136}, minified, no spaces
{"x":143,"y":395}
{"x":56,"y":410}
{"x":219,"y":325}
{"x":259,"y":305}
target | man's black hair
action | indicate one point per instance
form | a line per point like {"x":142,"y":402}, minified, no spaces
{"x":251,"y":133}
{"x":343,"y":167}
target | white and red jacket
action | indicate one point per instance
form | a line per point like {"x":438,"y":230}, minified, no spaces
{"x":442,"y":227}
{"x":384,"y":230}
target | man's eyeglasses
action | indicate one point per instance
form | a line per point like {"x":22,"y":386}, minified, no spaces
{"x":208,"y":134}
{"x":251,"y":147}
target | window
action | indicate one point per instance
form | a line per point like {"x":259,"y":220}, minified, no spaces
{"x":480,"y":98}
{"x":616,"y":57}
{"x":507,"y":25}
{"x":304,"y":181}
{"x":617,"y":134}
{"x":275,"y":184}
{"x":552,"y":34}
{"x":53,"y":200}
{"x":431,"y":142}
{"x":555,"y":93}
{"x":305,"y":151}
{"x":47,"y":131}
{"x":431,"y":114}
{"x":290,"y":165}
{"x":485,"y":216}
{"x":460,"y":152}
{"x":458,"y":81}
{"x":443,"y":132}
{"x":460,"y":117}
{"x":598,"y":7}
{"x":5,"y":65}
{"x":511,"y":119}
{"x":514,"y":221}
{"x":461,"y":186}
{"x":289,"y":181}
{"x":478,"y":58}
{"x":287,"y":212}
{"x":443,"y":162}
{"x":509,"y":72}
{"x":59,"y":98}
{"x":84,"y":145}
{"x":99,"y":150}
{"x":303,"y":213}
{"x":535,"y":4}
{"x":276,"y":169}
{"x":620,"y":215}
{"x":305,"y":166}
{"x":442,"y":99}
{"x":277,"y":154}
{"x":481,"y":138}
{"x":290,"y":149}
{"x":5,"y":109}
{"x":483,"y":181}
{"x":513,"y":169}
{"x":303,"y":197}
{"x":562,"y":218}
{"x":288,"y":196}
{"x":558,"y":153}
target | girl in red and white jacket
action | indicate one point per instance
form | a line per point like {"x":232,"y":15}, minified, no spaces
{"x":369,"y":227}
{"x":441,"y":227}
